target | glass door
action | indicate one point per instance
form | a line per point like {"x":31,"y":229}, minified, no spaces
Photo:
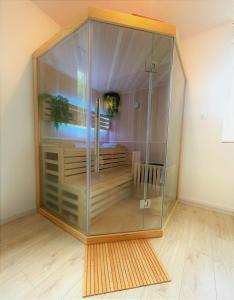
{"x":120,"y":68}
{"x":157,"y":122}
{"x":174,"y":135}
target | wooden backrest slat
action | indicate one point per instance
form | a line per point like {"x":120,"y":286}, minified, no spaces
{"x":71,"y":161}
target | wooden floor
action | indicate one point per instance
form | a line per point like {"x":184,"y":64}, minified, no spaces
{"x":40,"y":261}
{"x":121,"y":265}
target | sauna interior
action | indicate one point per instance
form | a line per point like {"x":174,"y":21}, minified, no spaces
{"x":110,"y":104}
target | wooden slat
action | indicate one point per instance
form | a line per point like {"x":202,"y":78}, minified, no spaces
{"x":70,"y":200}
{"x":111,"y":165}
{"x":51,"y":183}
{"x":132,"y":266}
{"x":154,"y":176}
{"x":51,"y":187}
{"x":153,"y":173}
{"x":49,"y":195}
{"x":142,"y":173}
{"x":158,"y":175}
{"x":132,"y":21}
{"x":108,"y":204}
{"x":78,"y":116}
{"x":51,"y":172}
{"x":112,"y":160}
{"x":109,"y":156}
{"x":109,"y":192}
{"x":75,"y":159}
{"x":55,"y":162}
{"x":74,"y":165}
{"x":51,"y":200}
{"x":74,"y":171}
{"x":52,"y":207}
{"x":121,"y":265}
{"x":138,"y":173}
{"x":75,"y":152}
{"x":70,"y":210}
{"x":110,"y":200}
{"x":104,"y":187}
{"x":116,"y":150}
{"x":49,"y":191}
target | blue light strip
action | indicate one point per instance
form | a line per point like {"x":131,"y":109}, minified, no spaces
{"x":79,"y":131}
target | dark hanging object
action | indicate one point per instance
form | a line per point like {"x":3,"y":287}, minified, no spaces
{"x":111,"y":103}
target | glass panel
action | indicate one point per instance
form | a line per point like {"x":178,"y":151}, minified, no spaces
{"x":63,"y":109}
{"x":159,"y":96}
{"x":117,"y":182}
{"x":174,"y":135}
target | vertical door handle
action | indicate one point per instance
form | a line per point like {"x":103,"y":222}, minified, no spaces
{"x":97,"y":135}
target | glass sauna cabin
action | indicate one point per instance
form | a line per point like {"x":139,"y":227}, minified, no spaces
{"x":109,"y":95}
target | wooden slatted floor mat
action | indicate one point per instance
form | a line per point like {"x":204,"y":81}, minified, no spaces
{"x":121,"y":265}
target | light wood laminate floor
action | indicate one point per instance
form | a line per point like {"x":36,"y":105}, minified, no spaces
{"x":40,"y":261}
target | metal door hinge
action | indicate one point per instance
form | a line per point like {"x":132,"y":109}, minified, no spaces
{"x":151,"y":66}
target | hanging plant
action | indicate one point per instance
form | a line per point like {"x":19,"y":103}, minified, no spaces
{"x":59,"y":106}
{"x":111,"y":103}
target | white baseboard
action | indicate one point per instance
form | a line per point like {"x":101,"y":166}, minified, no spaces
{"x":204,"y":204}
{"x":17,"y":216}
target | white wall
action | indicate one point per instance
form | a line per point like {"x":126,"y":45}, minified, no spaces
{"x":23,"y":28}
{"x":207,"y":168}
{"x":228,"y":124}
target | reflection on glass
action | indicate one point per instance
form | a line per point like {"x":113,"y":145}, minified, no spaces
{"x":174,"y":136}
{"x":158,"y":118}
{"x":63,"y":110}
{"x":118,"y":71}
{"x":125,"y":192}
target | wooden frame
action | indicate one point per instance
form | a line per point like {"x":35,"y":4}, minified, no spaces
{"x":144,"y":234}
{"x":106,"y":16}
{"x":36,"y":133}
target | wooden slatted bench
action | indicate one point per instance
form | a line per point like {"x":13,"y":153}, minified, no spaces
{"x":64,"y":180}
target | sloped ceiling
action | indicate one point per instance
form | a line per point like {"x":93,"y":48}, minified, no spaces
{"x":190,"y":16}
{"x":119,"y":56}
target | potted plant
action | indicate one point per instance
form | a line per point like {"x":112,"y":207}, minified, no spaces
{"x":111,"y":103}
{"x":59,"y":106}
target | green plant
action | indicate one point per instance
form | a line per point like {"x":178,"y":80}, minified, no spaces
{"x":111,"y":103}
{"x":59,"y":106}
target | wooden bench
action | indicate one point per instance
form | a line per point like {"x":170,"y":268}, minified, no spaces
{"x":64,"y":178}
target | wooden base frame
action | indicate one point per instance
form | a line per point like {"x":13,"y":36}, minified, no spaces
{"x":66,"y":227}
{"x":103,"y":238}
{"x":144,"y":234}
